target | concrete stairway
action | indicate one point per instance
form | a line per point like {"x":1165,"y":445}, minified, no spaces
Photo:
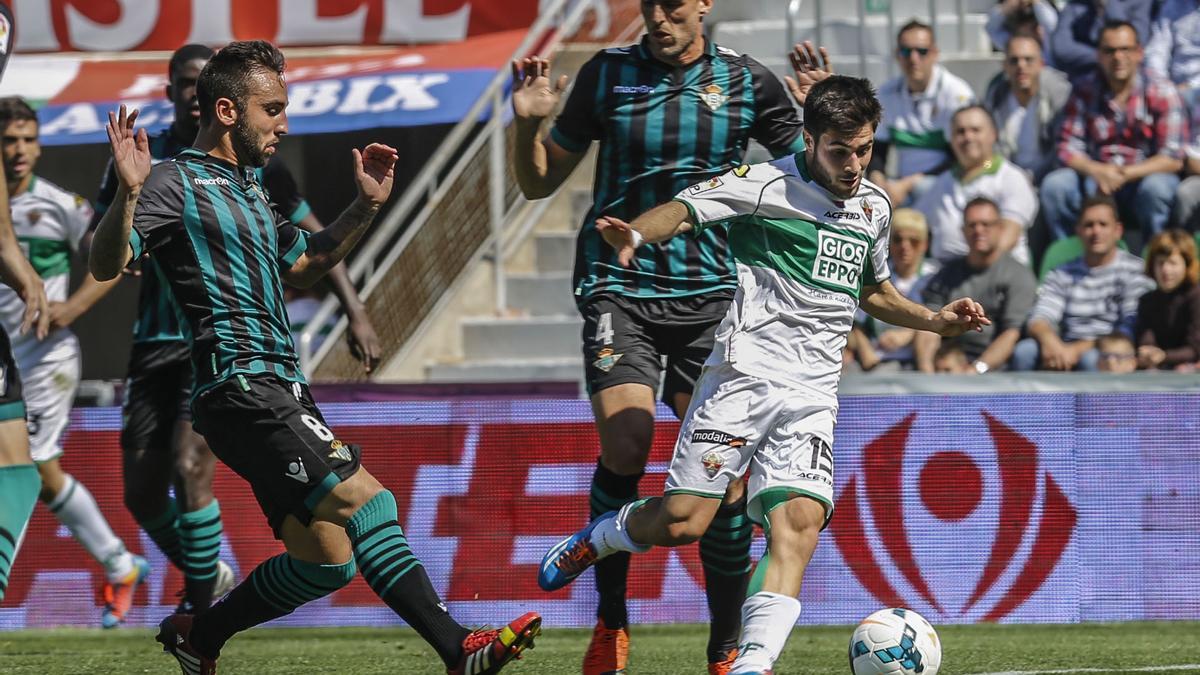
{"x":539,"y":340}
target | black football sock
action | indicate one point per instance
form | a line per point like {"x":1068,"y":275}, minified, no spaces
{"x":397,"y":576}
{"x":610,"y":492}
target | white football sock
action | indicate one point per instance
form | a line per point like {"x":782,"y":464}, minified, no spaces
{"x":611,"y":536}
{"x":76,"y":508}
{"x":767,"y":621}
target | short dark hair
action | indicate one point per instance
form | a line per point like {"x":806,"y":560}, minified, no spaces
{"x":15,"y":109}
{"x":189,"y":52}
{"x":1117,"y":24}
{"x":1021,"y":34}
{"x":916,"y":24}
{"x":227,"y":74}
{"x":982,"y":201}
{"x":975,"y":106}
{"x":841,"y":104}
{"x":1098,"y":199}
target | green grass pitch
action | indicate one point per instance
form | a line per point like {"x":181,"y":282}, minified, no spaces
{"x":1087,"y":648}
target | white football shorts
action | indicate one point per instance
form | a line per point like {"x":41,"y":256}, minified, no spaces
{"x":738,"y":423}
{"x":49,"y":390}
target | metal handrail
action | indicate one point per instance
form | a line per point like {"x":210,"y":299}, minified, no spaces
{"x":425,"y":185}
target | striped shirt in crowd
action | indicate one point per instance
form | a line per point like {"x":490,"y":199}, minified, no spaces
{"x":1152,"y":122}
{"x":1085,"y":303}
{"x":662,"y":129}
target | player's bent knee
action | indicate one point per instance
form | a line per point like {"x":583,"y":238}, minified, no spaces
{"x":344,"y":500}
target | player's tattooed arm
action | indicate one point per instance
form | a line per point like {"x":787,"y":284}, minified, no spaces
{"x":885,"y":303}
{"x":131,"y":158}
{"x":374,"y":170}
{"x":658,"y":224}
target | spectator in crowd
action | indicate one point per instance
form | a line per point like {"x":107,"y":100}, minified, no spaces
{"x":952,"y":360}
{"x":1115,"y":354}
{"x":1090,"y":296}
{"x":1168,"y":318}
{"x":872,"y":342}
{"x":1080,"y":25}
{"x":917,"y":106}
{"x":978,"y":171}
{"x":1030,"y":18}
{"x":1173,"y":49}
{"x":990,"y":275}
{"x":1027,"y":100}
{"x":1185,"y":213}
{"x":1123,"y":135}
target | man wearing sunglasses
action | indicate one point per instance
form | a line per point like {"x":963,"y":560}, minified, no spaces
{"x":917,"y":107}
{"x":1027,"y":101}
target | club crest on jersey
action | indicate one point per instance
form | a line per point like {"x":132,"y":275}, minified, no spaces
{"x":606,"y":359}
{"x":839,"y":260}
{"x":340,"y":451}
{"x":866,"y":209}
{"x":713,"y":97}
{"x":34,"y":215}
{"x":710,"y":184}
{"x":712,"y":461}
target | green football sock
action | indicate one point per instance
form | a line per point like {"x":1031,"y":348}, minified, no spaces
{"x":19,"y":486}
{"x":725,"y":554}
{"x":164,"y":532}
{"x":397,"y":576}
{"x":274,"y":589}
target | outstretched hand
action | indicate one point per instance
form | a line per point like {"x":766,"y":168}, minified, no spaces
{"x":619,"y":234}
{"x":534,"y":97}
{"x":959,"y":317}
{"x":130,"y":149}
{"x":810,"y":65}
{"x":374,"y":169}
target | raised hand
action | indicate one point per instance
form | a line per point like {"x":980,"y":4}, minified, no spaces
{"x":619,"y":234}
{"x":374,"y":169}
{"x":534,"y":97}
{"x":130,"y":149}
{"x":809,"y":69}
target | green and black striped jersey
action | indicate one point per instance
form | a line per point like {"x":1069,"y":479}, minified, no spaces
{"x":158,"y":317}
{"x":661,"y":129}
{"x":221,"y":248}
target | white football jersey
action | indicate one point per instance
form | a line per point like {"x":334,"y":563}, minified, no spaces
{"x":49,"y":222}
{"x":803,"y":256}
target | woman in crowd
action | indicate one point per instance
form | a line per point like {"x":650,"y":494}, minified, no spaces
{"x":1168,"y":325}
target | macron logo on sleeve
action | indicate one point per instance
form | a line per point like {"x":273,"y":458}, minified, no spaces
{"x":211,"y":181}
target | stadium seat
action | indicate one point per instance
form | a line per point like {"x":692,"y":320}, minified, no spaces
{"x":1065,"y":250}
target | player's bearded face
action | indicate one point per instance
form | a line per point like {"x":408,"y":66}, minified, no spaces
{"x":673,"y":26}
{"x":838,"y":160}
{"x":263,"y":123}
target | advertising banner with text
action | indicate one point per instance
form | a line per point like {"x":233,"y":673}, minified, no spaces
{"x":394,"y":87}
{"x":1012,"y":508}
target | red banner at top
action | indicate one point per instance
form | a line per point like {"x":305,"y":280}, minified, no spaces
{"x":164,"y":25}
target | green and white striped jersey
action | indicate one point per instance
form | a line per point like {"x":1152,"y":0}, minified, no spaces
{"x":803,"y":257}
{"x":49,"y":222}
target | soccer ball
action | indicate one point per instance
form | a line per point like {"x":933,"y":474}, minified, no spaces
{"x":896,"y":641}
